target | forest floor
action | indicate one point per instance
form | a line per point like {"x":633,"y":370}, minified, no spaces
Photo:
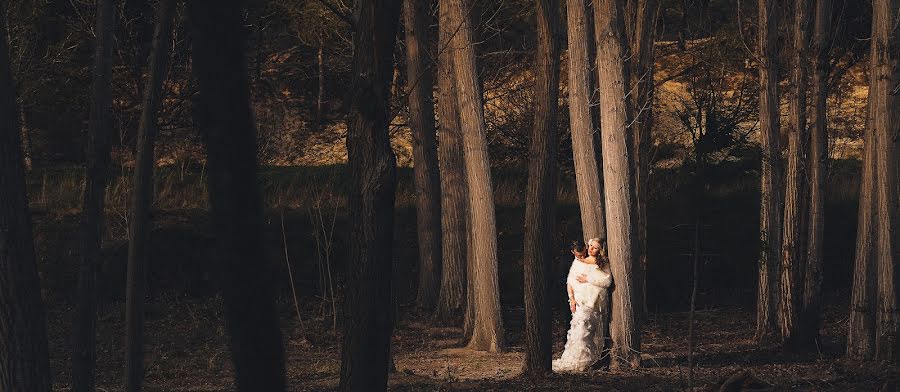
{"x":186,"y":350}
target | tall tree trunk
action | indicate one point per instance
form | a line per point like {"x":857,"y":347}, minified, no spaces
{"x":619,"y":192}
{"x":587,"y":174}
{"x":96,"y":167}
{"x":791,"y":257}
{"x":883,"y":57}
{"x":487,"y":332}
{"x":641,"y":119}
{"x":452,"y":299}
{"x":540,"y":196}
{"x":420,"y":84}
{"x":368,"y":324}
{"x":226,"y":123}
{"x":24,"y":357}
{"x":320,"y":97}
{"x":26,"y":140}
{"x":810,"y":318}
{"x":861,"y":334}
{"x":770,"y":178}
{"x":142,"y":198}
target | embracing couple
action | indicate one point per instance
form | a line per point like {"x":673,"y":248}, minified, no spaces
{"x":588,"y":285}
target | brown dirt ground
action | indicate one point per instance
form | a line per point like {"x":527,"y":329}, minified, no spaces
{"x":186,"y":351}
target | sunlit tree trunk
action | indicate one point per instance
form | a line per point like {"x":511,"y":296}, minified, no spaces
{"x":487,"y":331}
{"x":770,"y":178}
{"x":24,"y":357}
{"x":617,"y":172}
{"x":452,"y":299}
{"x":96,"y":168}
{"x":584,"y":156}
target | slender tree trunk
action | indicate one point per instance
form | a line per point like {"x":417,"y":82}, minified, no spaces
{"x":320,"y":97}
{"x":791,"y":257}
{"x":624,"y":326}
{"x":96,"y":168}
{"x":368,"y":324}
{"x":540,"y":196}
{"x":861,"y":334}
{"x":26,"y":140}
{"x":818,"y":163}
{"x":883,"y":57}
{"x":641,"y":119}
{"x":454,"y":203}
{"x":770,"y":178}
{"x":587,"y":173}
{"x":24,"y":357}
{"x":226,"y":123}
{"x":420,"y":84}
{"x":487,"y":332}
{"x":142,"y":198}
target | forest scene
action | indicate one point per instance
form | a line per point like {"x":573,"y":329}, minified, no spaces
{"x":443,"y":195}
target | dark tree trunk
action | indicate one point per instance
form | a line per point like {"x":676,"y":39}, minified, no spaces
{"x":584,"y":156}
{"x":771,"y":208}
{"x":96,"y":168}
{"x":454,"y":203}
{"x":320,"y":97}
{"x":618,"y":183}
{"x":420,"y":84}
{"x":368,"y":324}
{"x":810,"y":318}
{"x":142,"y":198}
{"x":540,"y":196}
{"x":791,"y":256}
{"x":487,"y":331}
{"x":883,"y":57}
{"x":226,"y":123}
{"x":24,"y":358}
{"x":861,"y":332}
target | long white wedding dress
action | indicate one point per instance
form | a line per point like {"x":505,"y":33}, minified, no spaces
{"x":584,"y":337}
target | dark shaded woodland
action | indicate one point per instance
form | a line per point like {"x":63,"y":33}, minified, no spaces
{"x":361,"y":195}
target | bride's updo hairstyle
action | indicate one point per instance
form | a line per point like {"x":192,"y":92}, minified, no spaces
{"x":601,"y":243}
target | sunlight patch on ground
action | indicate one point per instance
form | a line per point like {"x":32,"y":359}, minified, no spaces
{"x":458,"y":364}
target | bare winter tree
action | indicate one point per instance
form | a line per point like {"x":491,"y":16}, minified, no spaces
{"x":540,"y":195}
{"x":487,"y":331}
{"x":96,"y":171}
{"x":420,"y":84}
{"x":24,"y":357}
{"x":454,"y":194}
{"x":142,"y":198}
{"x":226,"y":123}
{"x":770,"y":179}
{"x":584,"y":157}
{"x":808,"y":331}
{"x":368,"y":322}
{"x":792,"y":237}
{"x":618,"y":185}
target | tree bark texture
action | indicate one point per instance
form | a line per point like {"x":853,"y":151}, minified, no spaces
{"x":771,"y":207}
{"x":810,"y":318}
{"x":487,"y":332}
{"x":24,"y":356}
{"x":624,"y":326}
{"x":368,"y":322}
{"x":792,"y":237}
{"x":420,"y":84}
{"x":454,"y":194}
{"x":226,"y":124}
{"x":96,"y":171}
{"x":883,"y":57}
{"x":540,"y":195}
{"x":142,"y":198}
{"x":584,"y":156}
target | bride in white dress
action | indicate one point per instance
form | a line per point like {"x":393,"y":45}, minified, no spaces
{"x":587,"y":284}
